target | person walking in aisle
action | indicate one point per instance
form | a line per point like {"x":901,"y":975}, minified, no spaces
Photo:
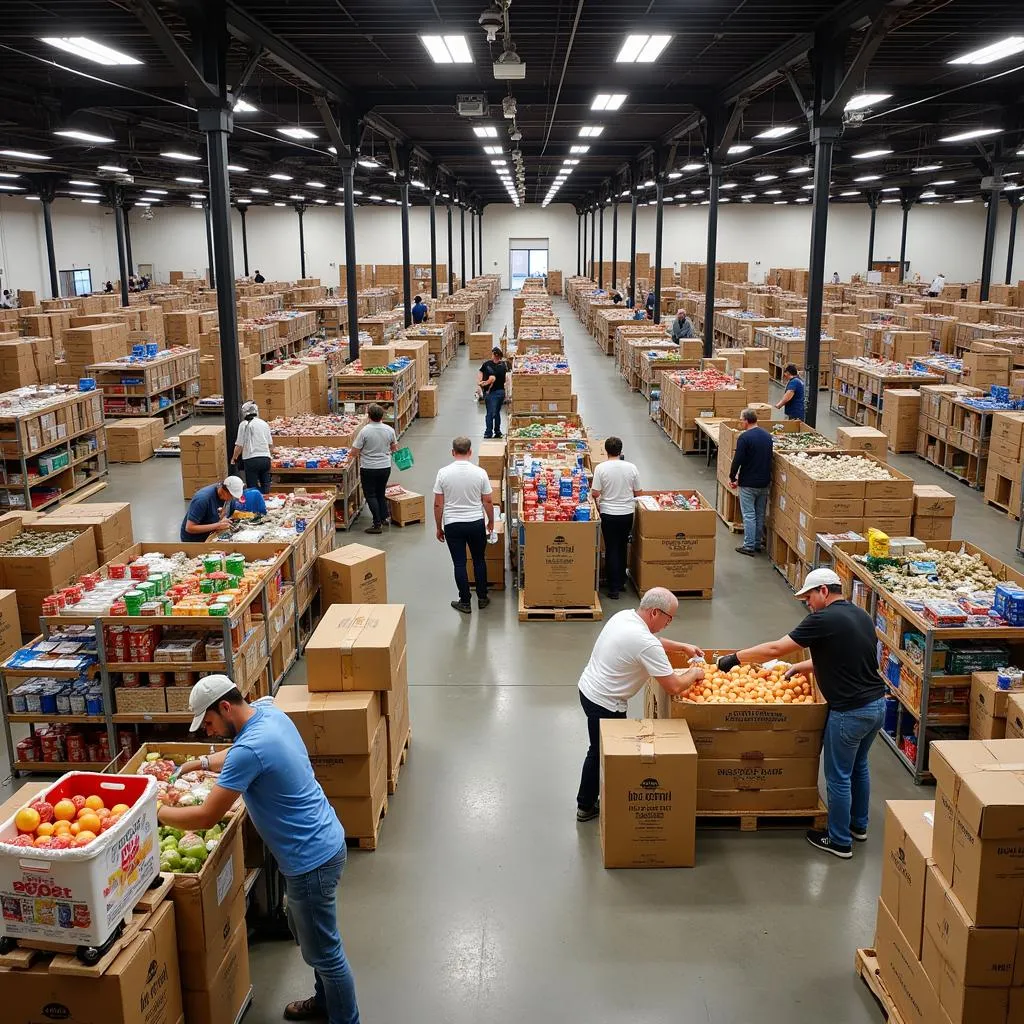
{"x":419,"y":310}
{"x":792,"y":400}
{"x":841,"y":639}
{"x":835,"y":277}
{"x":254,"y":446}
{"x":492,"y":383}
{"x":267,"y":763}
{"x":259,"y":278}
{"x":682,"y":327}
{"x":627,"y":653}
{"x":751,"y":471}
{"x":615,"y":486}
{"x":650,"y":304}
{"x":464,"y":516}
{"x":375,"y":443}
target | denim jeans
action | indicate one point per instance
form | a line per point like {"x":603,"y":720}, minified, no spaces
{"x":458,"y":536}
{"x":753,"y":503}
{"x":848,"y":738}
{"x":313,"y":919}
{"x":590,"y":778}
{"x":493,"y":401}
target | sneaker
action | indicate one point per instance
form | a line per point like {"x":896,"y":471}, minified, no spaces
{"x":483,"y":602}
{"x":497,"y":437}
{"x":822,"y":841}
{"x":587,"y":813}
{"x":463,"y":606}
{"x":374,"y":529}
{"x":305,"y":1009}
{"x":861,"y":837}
{"x":488,"y":437}
{"x":746,"y":551}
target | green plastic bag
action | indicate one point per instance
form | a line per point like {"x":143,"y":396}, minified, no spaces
{"x":403,"y":458}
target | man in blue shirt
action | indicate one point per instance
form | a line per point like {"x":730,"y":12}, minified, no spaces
{"x":206,"y":511}
{"x":268,"y":765}
{"x":793,"y":400}
{"x":251,"y":501}
{"x":751,"y":469}
{"x":419,"y":310}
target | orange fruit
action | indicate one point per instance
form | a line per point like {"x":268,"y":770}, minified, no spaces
{"x":75,"y":828}
{"x":26,"y":820}
{"x":118,"y":809}
{"x":94,"y":803}
{"x":64,"y":810}
{"x":61,"y":828}
{"x":84,"y":838}
{"x":89,"y":822}
{"x":45,"y":828}
{"x":43,"y":841}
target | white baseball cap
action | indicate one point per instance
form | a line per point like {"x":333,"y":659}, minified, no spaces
{"x":204,"y":695}
{"x":819,"y":578}
{"x":234,"y":486}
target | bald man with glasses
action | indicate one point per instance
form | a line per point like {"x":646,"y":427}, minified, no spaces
{"x":628,"y":652}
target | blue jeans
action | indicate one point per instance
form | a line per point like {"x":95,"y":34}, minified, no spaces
{"x":753,"y":504}
{"x":493,"y":401}
{"x":313,"y":919}
{"x":848,"y":738}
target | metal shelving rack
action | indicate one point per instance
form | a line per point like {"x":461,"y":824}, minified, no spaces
{"x":171,"y":376}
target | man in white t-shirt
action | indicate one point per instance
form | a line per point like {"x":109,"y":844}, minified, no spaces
{"x":626,"y":655}
{"x":464,"y":516}
{"x":935,"y":288}
{"x":615,"y":484}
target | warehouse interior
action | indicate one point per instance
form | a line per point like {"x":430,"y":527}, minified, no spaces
{"x":202,"y":143}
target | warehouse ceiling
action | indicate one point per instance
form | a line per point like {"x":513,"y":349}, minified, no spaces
{"x":748,"y":65}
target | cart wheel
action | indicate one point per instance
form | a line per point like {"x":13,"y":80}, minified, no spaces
{"x":89,"y":955}
{"x":6,"y":944}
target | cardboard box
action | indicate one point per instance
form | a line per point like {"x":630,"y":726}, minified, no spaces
{"x":1015,"y":716}
{"x":491,"y":457}
{"x":35,"y":572}
{"x":988,"y":707}
{"x":376,"y":355}
{"x":428,"y":401}
{"x":141,"y":986}
{"x":933,"y":501}
{"x":353,"y":574}
{"x":755,"y":775}
{"x":332,"y":723}
{"x":680,"y":575}
{"x":10,"y":628}
{"x":353,"y":775}
{"x":748,"y":801}
{"x":684,"y":548}
{"x":863,"y":439}
{"x":648,"y":793}
{"x":560,"y":561}
{"x":480,"y":345}
{"x":395,"y":704}
{"x":111,"y":522}
{"x":903,"y":976}
{"x":229,"y":988}
{"x":669,"y":523}
{"x":927,"y":528}
{"x":408,"y":507}
{"x":356,"y":647}
{"x":906,"y":854}
{"x":360,"y":815}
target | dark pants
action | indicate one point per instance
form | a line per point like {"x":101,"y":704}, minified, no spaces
{"x":375,"y":482}
{"x":458,"y":536}
{"x":257,"y":473}
{"x":493,"y":401}
{"x":616,"y":530}
{"x":590,"y":780}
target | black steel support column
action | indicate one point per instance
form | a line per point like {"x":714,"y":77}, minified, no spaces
{"x":585,"y":274}
{"x":990,"y":243}
{"x":462,"y":240}
{"x":615,"y":241}
{"x":122,"y":255}
{"x":433,"y":244}
{"x":242,"y":211}
{"x":873,"y":200}
{"x":632,"y":245}
{"x":659,"y":211}
{"x":348,"y":168}
{"x":403,"y":188}
{"x":451,"y":253}
{"x":128,"y":239}
{"x":46,"y":197}
{"x":823,"y":138}
{"x":1014,"y":207}
{"x":211,"y":277}
{"x":714,"y":185}
{"x":472,"y":244}
{"x":593,"y":240}
{"x":906,"y":202}
{"x":480,"y":239}
{"x":579,"y":243}
{"x":300,"y":209}
{"x":600,"y":249}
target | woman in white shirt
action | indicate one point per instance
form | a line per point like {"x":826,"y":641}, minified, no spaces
{"x":374,"y":445}
{"x":253,"y":447}
{"x":616,"y":483}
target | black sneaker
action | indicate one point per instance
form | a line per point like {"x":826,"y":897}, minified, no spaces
{"x":823,"y":842}
{"x":613,"y":595}
{"x":488,"y":437}
{"x":483,"y":602}
{"x":746,"y":551}
{"x":587,"y":813}
{"x":375,"y":529}
{"x":861,"y":837}
{"x":497,"y":437}
{"x":463,"y":606}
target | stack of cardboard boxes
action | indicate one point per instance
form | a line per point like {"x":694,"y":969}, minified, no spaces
{"x":934,"y":509}
{"x":204,"y":458}
{"x":25,"y":361}
{"x":1003,"y":474}
{"x":183,"y":328}
{"x":989,"y":706}
{"x":134,"y":439}
{"x":900,"y":415}
{"x":673,"y":548}
{"x":111,"y":524}
{"x":283,"y":391}
{"x":85,"y":346}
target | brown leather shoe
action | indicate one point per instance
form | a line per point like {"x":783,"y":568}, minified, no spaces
{"x":305,"y":1009}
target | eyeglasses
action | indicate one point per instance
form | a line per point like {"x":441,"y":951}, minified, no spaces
{"x":666,"y":614}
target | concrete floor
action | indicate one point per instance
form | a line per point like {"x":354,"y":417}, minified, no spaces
{"x":485,"y":901}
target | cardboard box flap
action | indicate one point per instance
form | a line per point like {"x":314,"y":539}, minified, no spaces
{"x":629,"y":738}
{"x":985,"y":780}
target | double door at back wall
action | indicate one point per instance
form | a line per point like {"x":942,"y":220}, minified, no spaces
{"x":527,"y":257}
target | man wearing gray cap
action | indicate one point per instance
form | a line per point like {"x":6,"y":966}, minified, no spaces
{"x":841,"y":639}
{"x":268,"y":765}
{"x":253,"y":448}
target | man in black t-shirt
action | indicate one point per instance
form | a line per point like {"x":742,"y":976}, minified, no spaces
{"x":492,"y":383}
{"x":841,"y":639}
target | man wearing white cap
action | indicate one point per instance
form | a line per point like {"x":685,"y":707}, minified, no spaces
{"x":267,"y":763}
{"x":841,"y":639}
{"x":207,"y":511}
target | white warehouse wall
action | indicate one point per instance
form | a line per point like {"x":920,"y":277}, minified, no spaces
{"x":940,"y":238}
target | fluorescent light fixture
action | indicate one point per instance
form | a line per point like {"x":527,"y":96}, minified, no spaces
{"x":570,"y":163}
{"x":113,"y":168}
{"x":79,"y":136}
{"x":375,"y":199}
{"x":34,"y":199}
{"x":803,"y":199}
{"x":9,"y":174}
{"x":21,"y":154}
{"x":322,"y":202}
{"x":730,"y":184}
{"x":739,"y":147}
{"x":177,"y":154}
{"x":649,"y":183}
{"x":749,"y":195}
{"x":852,"y":192}
{"x":315,"y":184}
{"x":368,"y":161}
{"x":493,"y":150}
{"x":781,"y":202}
{"x":499,"y":163}
{"x":871,"y":153}
{"x":697,"y":192}
{"x":929,"y":195}
{"x":693,"y":167}
{"x":80,"y":46}
{"x":802,"y":169}
{"x":773,"y":191}
{"x":143,"y":202}
{"x":891,"y":188}
{"x":589,"y":131}
{"x":890,"y":200}
{"x":926,"y":167}
{"x":241,"y":107}
{"x":244,"y":201}
{"x":298,"y":199}
{"x":973,"y":133}
{"x":356,"y":192}
{"x":190,"y":181}
{"x":579,"y":149}
{"x":5,"y":187}
{"x":994,"y":51}
{"x":71,"y":181}
{"x":261,"y":191}
{"x":868,"y":177}
{"x":957,"y":202}
{"x":155,"y":191}
{"x":642,"y":49}
{"x":766,"y":177}
{"x":238,"y":168}
{"x":944,"y":181}
{"x":91,"y":202}
{"x":674,"y":174}
{"x":867,"y":99}
{"x":196,"y":195}
{"x":280,"y":204}
{"x":776,"y":132}
{"x":807,"y":188}
{"x":394,"y":202}
{"x":416,"y":183}
{"x":486,"y":131}
{"x":447,"y":49}
{"x":608,"y":101}
{"x":297,"y":133}
{"x":278,"y":176}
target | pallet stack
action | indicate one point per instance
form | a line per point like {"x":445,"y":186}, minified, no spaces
{"x":673,"y":545}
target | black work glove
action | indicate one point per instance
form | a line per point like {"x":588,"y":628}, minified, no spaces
{"x":727,"y":662}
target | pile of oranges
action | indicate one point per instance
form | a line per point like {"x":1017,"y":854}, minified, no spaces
{"x":69,"y":823}
{"x":750,"y":684}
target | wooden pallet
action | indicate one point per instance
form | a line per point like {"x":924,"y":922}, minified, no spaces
{"x":369,"y":842}
{"x":728,"y":508}
{"x":1002,"y":508}
{"x":755,"y":821}
{"x":402,"y":758}
{"x":865,"y":963}
{"x":408,"y":522}
{"x":682,"y":595}
{"x":64,"y":958}
{"x":592,"y":613}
